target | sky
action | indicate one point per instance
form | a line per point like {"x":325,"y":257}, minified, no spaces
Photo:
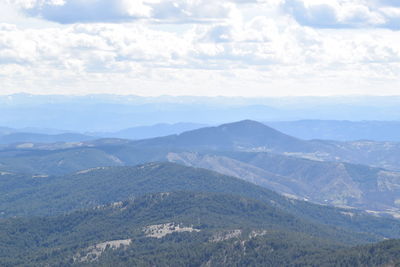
{"x":245,"y":48}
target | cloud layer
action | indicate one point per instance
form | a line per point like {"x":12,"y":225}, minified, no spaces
{"x":345,"y":13}
{"x":172,"y":11}
{"x":202,"y":47}
{"x":315,"y":13}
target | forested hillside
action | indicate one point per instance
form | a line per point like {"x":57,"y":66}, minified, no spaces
{"x":183,"y":229}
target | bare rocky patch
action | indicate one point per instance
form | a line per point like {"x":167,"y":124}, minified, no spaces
{"x":219,"y":237}
{"x":161,"y":230}
{"x":92,"y":253}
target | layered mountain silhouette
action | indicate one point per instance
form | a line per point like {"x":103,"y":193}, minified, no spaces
{"x":242,"y":135}
{"x":151,"y":131}
{"x":20,"y":137}
{"x":340,"y":130}
{"x":325,"y":172}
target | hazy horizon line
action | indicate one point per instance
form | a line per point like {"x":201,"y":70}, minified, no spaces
{"x":199,"y":96}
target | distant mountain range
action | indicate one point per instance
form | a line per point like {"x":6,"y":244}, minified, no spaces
{"x":36,"y":135}
{"x":325,"y":172}
{"x":340,"y":130}
{"x":379,"y":131}
{"x":110,"y":113}
{"x":157,"y":130}
{"x":20,"y":137}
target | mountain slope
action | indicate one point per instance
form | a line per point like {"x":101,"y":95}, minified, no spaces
{"x":256,"y":137}
{"x":340,"y":130}
{"x":50,"y":162}
{"x":253,"y":136}
{"x":203,"y":214}
{"x":177,"y":229}
{"x":240,"y":135}
{"x":223,"y":149}
{"x":232,"y":167}
{"x":20,"y":137}
{"x":152,"y":131}
{"x":5,"y":130}
{"x":332,"y":183}
{"x":57,"y":195}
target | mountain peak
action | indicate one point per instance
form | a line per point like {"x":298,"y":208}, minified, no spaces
{"x":247,"y":123}
{"x":255,"y":130}
{"x":250,"y":125}
{"x":242,"y":135}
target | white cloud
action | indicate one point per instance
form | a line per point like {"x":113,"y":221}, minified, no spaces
{"x":245,"y":48}
{"x":344,"y":13}
{"x":314,"y":13}
{"x":171,"y":11}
